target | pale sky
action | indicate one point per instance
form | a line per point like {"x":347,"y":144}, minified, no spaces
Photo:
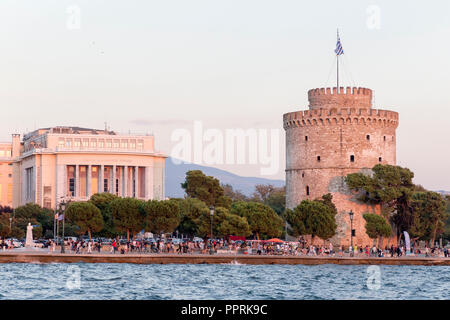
{"x":156,"y":66}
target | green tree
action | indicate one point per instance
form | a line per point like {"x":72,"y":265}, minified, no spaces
{"x":103,"y":202}
{"x":377,"y":226}
{"x":127,"y":215}
{"x":205,"y":188}
{"x":389,"y":186}
{"x":263,"y":221}
{"x":429,"y":215}
{"x":161,"y":216}
{"x":5,"y":231}
{"x":233,"y":224}
{"x":86,"y":216}
{"x":190,"y":210}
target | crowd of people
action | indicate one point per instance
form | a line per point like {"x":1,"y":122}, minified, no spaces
{"x":301,"y":248}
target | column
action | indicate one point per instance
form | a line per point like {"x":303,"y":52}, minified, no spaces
{"x":101,"y":176}
{"x":89,"y":181}
{"x":125,"y":181}
{"x":77,"y":181}
{"x":136,"y":185}
{"x":148,"y":183}
{"x":113,"y":189}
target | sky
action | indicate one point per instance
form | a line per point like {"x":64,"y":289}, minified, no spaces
{"x":162,"y":66}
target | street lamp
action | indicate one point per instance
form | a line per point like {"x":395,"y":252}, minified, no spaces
{"x":211,"y":212}
{"x":351,"y":228}
{"x":63,"y":207}
{"x":10,"y":223}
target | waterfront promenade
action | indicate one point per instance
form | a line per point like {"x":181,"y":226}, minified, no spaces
{"x":174,"y":258}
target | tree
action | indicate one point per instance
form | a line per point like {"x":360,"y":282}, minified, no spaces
{"x":316,"y":218}
{"x":377,"y":226}
{"x":234,"y":195}
{"x":161,"y":216}
{"x":86,"y":216}
{"x":5,"y":231}
{"x":233,"y":224}
{"x":127,"y":215}
{"x":263,"y":221}
{"x":272,"y":196}
{"x":205,"y":188}
{"x":190,"y":210}
{"x":389,"y":186}
{"x":429,"y":215}
{"x":103,"y":202}
{"x":34,"y":214}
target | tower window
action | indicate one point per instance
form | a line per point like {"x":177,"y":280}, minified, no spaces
{"x":384,"y":138}
{"x":306,"y":138}
{"x":307,"y":190}
{"x":379,"y":159}
{"x":352,"y":158}
{"x":368,"y":137}
{"x":303,"y":174}
{"x":318,"y":158}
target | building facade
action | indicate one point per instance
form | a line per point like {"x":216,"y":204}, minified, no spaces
{"x":338,"y":135}
{"x":6,"y":169}
{"x":53,"y":164}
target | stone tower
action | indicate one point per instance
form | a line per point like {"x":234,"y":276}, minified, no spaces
{"x":338,"y":135}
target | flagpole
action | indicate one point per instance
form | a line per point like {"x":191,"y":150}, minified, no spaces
{"x":337,"y":66}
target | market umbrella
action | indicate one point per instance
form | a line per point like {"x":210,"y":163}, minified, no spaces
{"x":275,"y":240}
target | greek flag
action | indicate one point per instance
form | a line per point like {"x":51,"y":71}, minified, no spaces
{"x":339,"y":49}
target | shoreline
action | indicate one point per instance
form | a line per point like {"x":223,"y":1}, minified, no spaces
{"x":32,"y":257}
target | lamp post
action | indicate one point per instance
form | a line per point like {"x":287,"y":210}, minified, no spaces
{"x":211,"y":211}
{"x":63,"y":207}
{"x":351,"y":228}
{"x":10,"y":223}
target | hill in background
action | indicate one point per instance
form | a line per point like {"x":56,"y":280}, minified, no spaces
{"x":175,"y":175}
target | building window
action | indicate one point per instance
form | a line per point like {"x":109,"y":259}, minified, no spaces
{"x":307,"y":190}
{"x":85,"y":143}
{"x":2,"y":153}
{"x":61,"y":143}
{"x":379,"y":159}
{"x":306,"y":138}
{"x":68,"y":143}
{"x":101,"y":143}
{"x":9,"y":175}
{"x":384,"y":138}
{"x":8,"y":153}
{"x":303,"y":174}
{"x":117,"y":186}
{"x":72,"y":187}
{"x":116,"y":144}
{"x":108,"y":143}
{"x":93,"y":143}
{"x":140,"y":144}
{"x":132,"y":144}
{"x":29,"y":183}
{"x":352,"y":158}
{"x":368,"y":137}
{"x":77,"y":143}
{"x":105,"y":185}
{"x":318,"y":158}
{"x":124,"y":144}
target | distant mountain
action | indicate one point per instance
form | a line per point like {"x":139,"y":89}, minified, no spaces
{"x":443,"y":192}
{"x":176,"y":174}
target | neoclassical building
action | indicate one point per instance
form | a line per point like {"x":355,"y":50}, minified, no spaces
{"x":52,"y":164}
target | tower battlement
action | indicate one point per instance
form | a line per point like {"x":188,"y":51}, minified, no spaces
{"x":327,"y":98}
